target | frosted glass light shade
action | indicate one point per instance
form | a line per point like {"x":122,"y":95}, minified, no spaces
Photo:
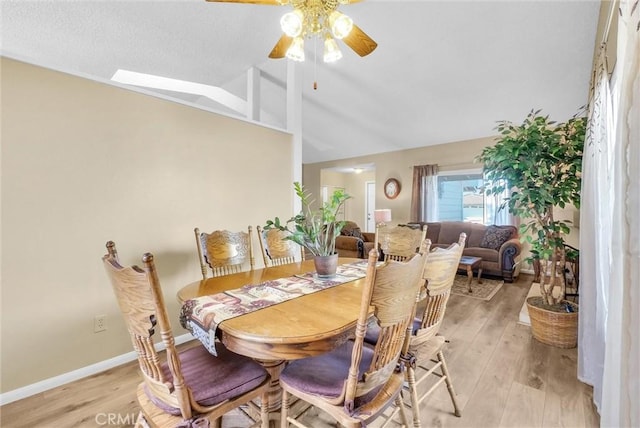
{"x":296,"y":50}
{"x":291,"y":23}
{"x":331,"y":50}
{"x":340,"y":24}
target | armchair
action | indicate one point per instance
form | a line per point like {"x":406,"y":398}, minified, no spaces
{"x":352,"y":242}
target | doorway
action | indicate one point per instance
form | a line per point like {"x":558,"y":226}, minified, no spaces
{"x":370,"y":205}
{"x":359,"y":182}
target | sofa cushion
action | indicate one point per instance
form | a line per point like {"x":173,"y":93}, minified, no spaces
{"x":494,"y":237}
{"x":450,"y":232}
{"x":475,"y":234}
{"x":433,"y":231}
{"x":487,"y":254}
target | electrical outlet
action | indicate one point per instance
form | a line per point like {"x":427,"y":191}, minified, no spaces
{"x":99,"y":323}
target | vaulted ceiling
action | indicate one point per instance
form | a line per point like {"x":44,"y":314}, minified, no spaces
{"x":443,"y":71}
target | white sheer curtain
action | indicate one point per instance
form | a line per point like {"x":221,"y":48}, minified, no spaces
{"x":494,"y":211}
{"x":609,"y":326}
{"x":431,"y":207}
{"x":595,"y":230}
{"x":621,"y":378}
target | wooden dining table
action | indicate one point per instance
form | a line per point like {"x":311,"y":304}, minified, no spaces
{"x":302,"y":327}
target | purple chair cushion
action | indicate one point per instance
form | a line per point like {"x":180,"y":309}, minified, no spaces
{"x":214,"y":379}
{"x":373,"y":331}
{"x":325,"y":374}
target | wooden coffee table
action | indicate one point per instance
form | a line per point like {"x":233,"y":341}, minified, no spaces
{"x":470,"y":263}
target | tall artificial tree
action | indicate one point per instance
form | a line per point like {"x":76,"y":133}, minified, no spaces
{"x":541,"y":162}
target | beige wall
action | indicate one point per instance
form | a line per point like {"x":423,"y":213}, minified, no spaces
{"x":399,"y":165}
{"x":86,"y":162}
{"x":452,"y":156}
{"x":355,"y":186}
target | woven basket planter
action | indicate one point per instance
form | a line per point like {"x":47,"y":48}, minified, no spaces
{"x":559,"y":329}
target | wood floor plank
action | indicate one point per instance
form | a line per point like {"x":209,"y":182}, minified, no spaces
{"x":470,"y":359}
{"x":467,"y":360}
{"x":533,"y":369}
{"x":563,"y":401}
{"x":486,"y":405}
{"x":457,"y":311}
{"x":524,"y":407}
{"x":591,"y":417}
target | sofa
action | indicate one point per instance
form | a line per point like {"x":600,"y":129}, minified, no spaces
{"x":353,"y":242}
{"x":498,"y":246}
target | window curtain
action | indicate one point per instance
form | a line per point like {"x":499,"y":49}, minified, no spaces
{"x":494,"y":212}
{"x":609,"y":316}
{"x":621,"y":377}
{"x":424,"y":194}
{"x":595,"y":230}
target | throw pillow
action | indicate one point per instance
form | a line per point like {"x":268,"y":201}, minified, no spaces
{"x":351,"y":230}
{"x":346,"y":231}
{"x":356,"y":233}
{"x":494,"y":237}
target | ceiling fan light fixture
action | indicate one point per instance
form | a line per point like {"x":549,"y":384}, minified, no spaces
{"x":332,"y":52}
{"x":296,"y":50}
{"x":340,"y":24}
{"x":291,"y":23}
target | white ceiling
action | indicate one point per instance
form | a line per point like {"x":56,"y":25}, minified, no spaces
{"x":443,"y":71}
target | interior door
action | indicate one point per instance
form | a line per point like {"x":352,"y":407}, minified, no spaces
{"x":370,"y":205}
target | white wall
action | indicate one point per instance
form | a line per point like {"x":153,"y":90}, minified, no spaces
{"x":85,"y":162}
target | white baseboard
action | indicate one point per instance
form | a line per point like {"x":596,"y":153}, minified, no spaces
{"x":54,"y":382}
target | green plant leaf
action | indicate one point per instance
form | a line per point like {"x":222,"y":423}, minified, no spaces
{"x":541,"y":160}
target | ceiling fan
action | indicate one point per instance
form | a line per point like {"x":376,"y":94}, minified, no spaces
{"x":315,"y":18}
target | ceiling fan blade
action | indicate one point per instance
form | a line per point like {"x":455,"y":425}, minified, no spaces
{"x":280,"y":49}
{"x":359,"y":41}
{"x":268,"y":2}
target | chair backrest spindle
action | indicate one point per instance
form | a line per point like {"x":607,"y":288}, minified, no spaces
{"x":439,"y":274}
{"x":179,"y":388}
{"x":142,"y":305}
{"x":391,"y":289}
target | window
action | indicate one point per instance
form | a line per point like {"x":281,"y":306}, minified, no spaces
{"x":461,"y":197}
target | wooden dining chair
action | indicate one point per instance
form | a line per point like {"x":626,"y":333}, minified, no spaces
{"x":399,"y":242}
{"x":354,"y":383}
{"x":276,"y":250}
{"x":224,"y":252}
{"x":179,"y":389}
{"x":425,"y":346}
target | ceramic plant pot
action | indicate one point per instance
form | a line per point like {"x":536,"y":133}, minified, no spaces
{"x":326,"y":265}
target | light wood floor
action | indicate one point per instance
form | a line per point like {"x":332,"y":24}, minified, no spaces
{"x":503,"y":378}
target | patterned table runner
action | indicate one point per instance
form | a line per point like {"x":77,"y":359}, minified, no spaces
{"x":202,"y":315}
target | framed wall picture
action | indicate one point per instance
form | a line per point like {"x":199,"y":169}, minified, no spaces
{"x":391,"y":188}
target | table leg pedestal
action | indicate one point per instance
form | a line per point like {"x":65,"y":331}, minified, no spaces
{"x":469,"y":278}
{"x":274,"y":368}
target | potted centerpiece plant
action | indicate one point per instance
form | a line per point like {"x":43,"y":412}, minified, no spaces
{"x":315,"y":229}
{"x":541,"y":162}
